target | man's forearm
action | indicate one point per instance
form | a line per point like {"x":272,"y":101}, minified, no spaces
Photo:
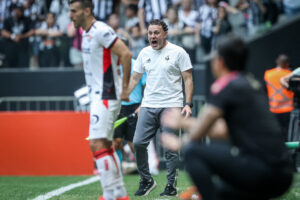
{"x":134,"y":80}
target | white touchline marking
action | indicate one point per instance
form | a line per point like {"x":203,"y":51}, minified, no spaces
{"x":64,"y":189}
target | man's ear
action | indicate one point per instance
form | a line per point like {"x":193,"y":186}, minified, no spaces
{"x":165,"y":34}
{"x":87,"y":11}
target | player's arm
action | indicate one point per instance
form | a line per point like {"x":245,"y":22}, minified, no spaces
{"x":189,"y":89}
{"x":122,"y":51}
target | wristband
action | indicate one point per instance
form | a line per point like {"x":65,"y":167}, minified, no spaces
{"x":189,"y":104}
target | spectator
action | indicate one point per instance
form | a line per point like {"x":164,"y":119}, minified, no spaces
{"x":280,"y":99}
{"x":254,"y":12}
{"x":16,"y":31}
{"x":207,"y":18}
{"x":189,"y":18}
{"x":152,"y":9}
{"x":75,"y":51}
{"x":5,"y":11}
{"x":61,"y":10}
{"x":137,"y":41}
{"x":131,"y":14}
{"x":113,"y":21}
{"x":222,"y":25}
{"x":175,"y":26}
{"x":49,"y":32}
{"x":36,"y":10}
{"x":104,"y":8}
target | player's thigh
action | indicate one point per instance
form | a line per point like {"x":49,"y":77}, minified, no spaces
{"x":146,"y":127}
{"x":103,"y":113}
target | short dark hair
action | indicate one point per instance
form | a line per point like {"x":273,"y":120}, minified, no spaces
{"x":234,"y":51}
{"x":132,"y":7}
{"x":84,"y":3}
{"x":160,"y":23}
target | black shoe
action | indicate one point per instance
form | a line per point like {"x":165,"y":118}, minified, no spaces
{"x":170,"y":190}
{"x":146,"y":187}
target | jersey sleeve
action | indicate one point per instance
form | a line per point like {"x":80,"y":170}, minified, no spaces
{"x":138,"y":64}
{"x":184,"y":61}
{"x":106,"y":36}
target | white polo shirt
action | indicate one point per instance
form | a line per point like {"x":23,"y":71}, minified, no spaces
{"x":164,"y":80}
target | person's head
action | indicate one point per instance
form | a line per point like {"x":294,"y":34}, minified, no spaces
{"x":172,"y":15}
{"x":18,"y":10}
{"x":283,"y":61}
{"x":186,"y":4}
{"x":50,"y":19}
{"x":81,"y":11}
{"x":131,"y":10}
{"x":135,"y":31}
{"x":222,"y":13}
{"x":113,"y":21}
{"x":212,"y":3}
{"x":157,"y":34}
{"x":231,"y":55}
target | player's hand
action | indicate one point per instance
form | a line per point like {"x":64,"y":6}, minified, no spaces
{"x":171,"y":118}
{"x":170,"y":141}
{"x":125,"y":95}
{"x":137,"y":110}
{"x":187,"y":111}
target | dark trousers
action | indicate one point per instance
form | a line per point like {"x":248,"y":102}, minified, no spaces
{"x":284,"y":121}
{"x":238,"y":176}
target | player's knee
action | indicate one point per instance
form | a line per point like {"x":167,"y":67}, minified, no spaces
{"x":98,"y":144}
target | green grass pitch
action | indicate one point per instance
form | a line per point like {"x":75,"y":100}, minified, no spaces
{"x":25,"y":188}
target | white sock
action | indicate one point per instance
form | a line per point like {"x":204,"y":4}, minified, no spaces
{"x":111,"y":178}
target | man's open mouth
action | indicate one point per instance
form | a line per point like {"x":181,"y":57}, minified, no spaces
{"x":154,"y":42}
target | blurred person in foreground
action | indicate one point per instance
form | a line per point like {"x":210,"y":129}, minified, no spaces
{"x":101,"y":50}
{"x":280,"y":99}
{"x":253,"y":162}
{"x":166,"y":66}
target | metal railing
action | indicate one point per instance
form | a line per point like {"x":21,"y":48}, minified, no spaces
{"x":37,"y":103}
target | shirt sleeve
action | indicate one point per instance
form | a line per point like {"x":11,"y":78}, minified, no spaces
{"x":138,"y":64}
{"x":141,"y":4}
{"x":184,"y":61}
{"x":297,"y":71}
{"x":107,"y":36}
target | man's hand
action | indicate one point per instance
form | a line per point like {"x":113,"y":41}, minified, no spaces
{"x":172,"y":118}
{"x":171,"y":142}
{"x":137,"y":110}
{"x":187,"y":111}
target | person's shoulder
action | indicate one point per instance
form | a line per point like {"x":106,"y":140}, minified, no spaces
{"x":146,"y":50}
{"x":176,"y":48}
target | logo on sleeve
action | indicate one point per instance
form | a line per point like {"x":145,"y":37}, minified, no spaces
{"x":148,"y":60}
{"x":167,"y":58}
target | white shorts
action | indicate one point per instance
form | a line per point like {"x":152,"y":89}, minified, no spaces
{"x":103,"y":114}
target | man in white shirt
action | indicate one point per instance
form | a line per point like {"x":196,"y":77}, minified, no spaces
{"x":165,"y":64}
{"x":101,"y":50}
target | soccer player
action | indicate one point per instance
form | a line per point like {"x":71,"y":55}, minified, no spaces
{"x":254,"y":162}
{"x":101,"y":50}
{"x":165,"y":65}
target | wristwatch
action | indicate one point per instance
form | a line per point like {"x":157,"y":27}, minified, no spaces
{"x":189,"y":104}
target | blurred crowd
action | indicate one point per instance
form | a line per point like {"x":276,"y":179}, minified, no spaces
{"x":39,"y":33}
